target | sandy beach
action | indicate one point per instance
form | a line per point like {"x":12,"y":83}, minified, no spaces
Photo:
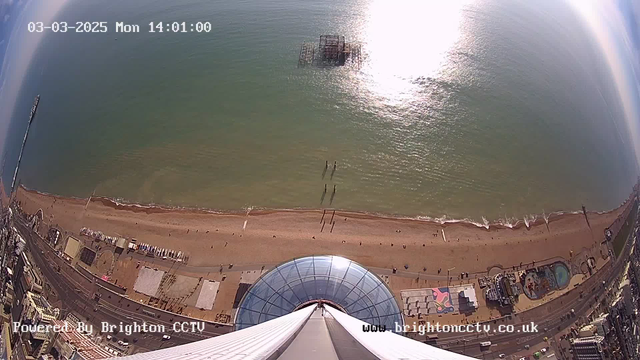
{"x":271,"y":237}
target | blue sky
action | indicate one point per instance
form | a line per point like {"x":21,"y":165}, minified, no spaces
{"x":631,"y":12}
{"x":17,"y":47}
{"x":9,"y":9}
{"x":614,"y":26}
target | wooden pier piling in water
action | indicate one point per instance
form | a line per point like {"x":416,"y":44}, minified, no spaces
{"x":332,"y":50}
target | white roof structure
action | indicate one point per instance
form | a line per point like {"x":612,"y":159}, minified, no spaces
{"x":257,"y":342}
{"x":470,"y":294}
{"x":310,"y":333}
{"x":387,"y":345}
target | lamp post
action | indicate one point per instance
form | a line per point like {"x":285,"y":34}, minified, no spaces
{"x":448,"y":273}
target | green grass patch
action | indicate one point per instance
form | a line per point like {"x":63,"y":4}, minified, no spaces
{"x":620,"y":240}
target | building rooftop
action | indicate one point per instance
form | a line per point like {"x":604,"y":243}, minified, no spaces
{"x":588,"y":340}
{"x":587,"y":330}
{"x":85,"y":347}
{"x":41,"y":304}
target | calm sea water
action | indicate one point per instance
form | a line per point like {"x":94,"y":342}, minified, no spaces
{"x":471,"y":109}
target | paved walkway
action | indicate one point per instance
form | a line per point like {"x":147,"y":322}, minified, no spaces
{"x":377,"y":270}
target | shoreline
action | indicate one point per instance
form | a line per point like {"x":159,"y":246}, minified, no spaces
{"x":528,"y":221}
{"x":273,"y":236}
{"x":410,"y":253}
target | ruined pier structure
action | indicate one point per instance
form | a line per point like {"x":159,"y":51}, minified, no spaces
{"x":332,"y":50}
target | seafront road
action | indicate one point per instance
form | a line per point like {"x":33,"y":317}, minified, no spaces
{"x":76,"y":293}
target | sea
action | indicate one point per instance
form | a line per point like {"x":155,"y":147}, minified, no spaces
{"x":473,"y":110}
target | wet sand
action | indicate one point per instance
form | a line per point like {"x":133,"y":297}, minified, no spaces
{"x":271,"y":237}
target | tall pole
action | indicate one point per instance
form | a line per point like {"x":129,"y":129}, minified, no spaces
{"x":3,"y":247}
{"x":24,"y":142}
{"x":448,"y":272}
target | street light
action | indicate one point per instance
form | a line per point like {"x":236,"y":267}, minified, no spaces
{"x":448,"y":272}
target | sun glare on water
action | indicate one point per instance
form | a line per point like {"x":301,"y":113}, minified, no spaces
{"x":407,"y":39}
